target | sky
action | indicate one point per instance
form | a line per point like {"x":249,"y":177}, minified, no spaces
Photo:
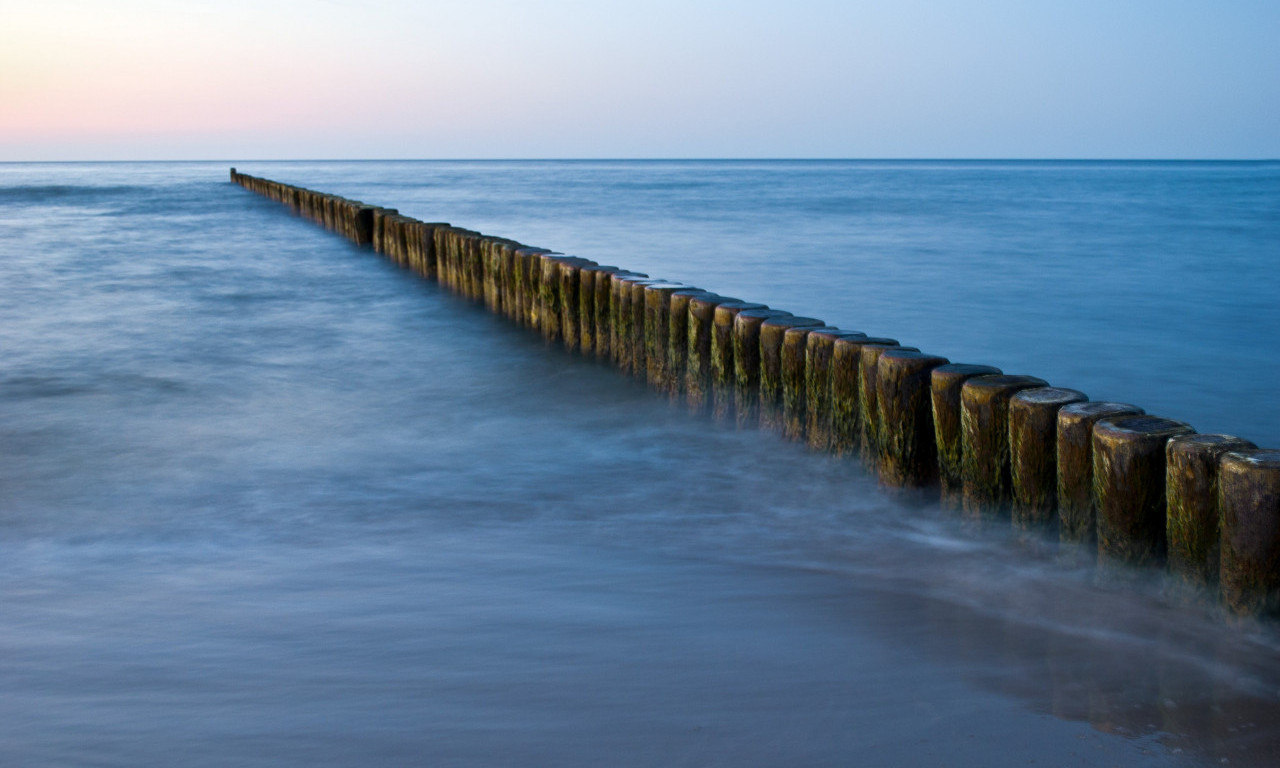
{"x":288,"y":79}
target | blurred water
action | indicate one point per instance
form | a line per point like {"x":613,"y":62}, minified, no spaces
{"x":268,"y":500}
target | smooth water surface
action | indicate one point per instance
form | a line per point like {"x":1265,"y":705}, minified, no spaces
{"x":268,"y":500}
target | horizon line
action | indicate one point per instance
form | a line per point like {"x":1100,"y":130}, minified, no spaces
{"x":666,"y":160}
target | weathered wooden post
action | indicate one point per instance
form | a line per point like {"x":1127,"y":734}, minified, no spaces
{"x":908,"y":452}
{"x":1192,"y":516}
{"x":592,"y":277}
{"x":639,"y":347}
{"x":868,"y":406}
{"x":657,"y":334}
{"x":378,"y":233}
{"x":773,"y":349}
{"x":1033,"y":453}
{"x":1129,"y":487}
{"x":606,"y":294}
{"x":1249,"y":496}
{"x":570,"y":303}
{"x":846,"y":391}
{"x":549,"y":315}
{"x":528,"y":275}
{"x":984,"y":422}
{"x":782,"y":369}
{"x":724,"y":379}
{"x":678,"y":336}
{"x":1077,"y":510}
{"x":819,"y":349}
{"x":510,"y":281}
{"x":689,"y":350}
{"x":621,"y":318}
{"x":945,"y":384}
{"x":746,"y":362}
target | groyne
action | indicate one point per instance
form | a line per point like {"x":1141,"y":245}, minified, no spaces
{"x":1106,"y":481}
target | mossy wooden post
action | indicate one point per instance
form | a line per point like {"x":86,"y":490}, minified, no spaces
{"x":1033,"y":454}
{"x":1077,"y":513}
{"x":657,"y":334}
{"x":846,"y":391}
{"x":628,"y":323}
{"x":782,"y":370}
{"x":1129,"y":487}
{"x":868,"y":408}
{"x":773,"y":335}
{"x":504,"y":266}
{"x":510,"y":281}
{"x":795,"y":382}
{"x":491,"y":259}
{"x":639,"y":352}
{"x":746,"y":362}
{"x":393,"y":239}
{"x":606,"y":296}
{"x":1249,"y":497}
{"x":724,"y":380}
{"x":589,"y":277}
{"x":549,"y":317}
{"x":462,"y":262}
{"x":458,"y":272}
{"x":378,"y":233}
{"x":819,"y":348}
{"x":444,"y":237}
{"x":413,"y":251}
{"x":526,"y":288}
{"x":945,"y":384}
{"x":440,"y":244}
{"x":475,"y":266}
{"x":687,"y":340}
{"x":570,"y":322}
{"x":908,"y":453}
{"x":1192,"y":527}
{"x":984,"y":428}
{"x":430,"y":241}
{"x":620,"y":316}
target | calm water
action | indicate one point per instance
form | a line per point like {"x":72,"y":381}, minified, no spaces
{"x":268,"y":500}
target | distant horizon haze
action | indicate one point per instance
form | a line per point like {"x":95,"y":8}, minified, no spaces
{"x":655,"y":79}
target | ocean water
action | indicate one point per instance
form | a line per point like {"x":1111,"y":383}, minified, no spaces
{"x":268,"y":500}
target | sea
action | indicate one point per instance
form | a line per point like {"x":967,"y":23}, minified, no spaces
{"x":267,"y":499}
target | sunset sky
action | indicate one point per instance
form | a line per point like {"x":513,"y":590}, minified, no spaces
{"x":146,"y":79}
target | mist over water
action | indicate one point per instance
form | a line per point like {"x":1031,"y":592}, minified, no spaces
{"x":268,"y":500}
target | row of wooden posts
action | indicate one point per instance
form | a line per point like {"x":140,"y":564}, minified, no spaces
{"x":1133,"y":488}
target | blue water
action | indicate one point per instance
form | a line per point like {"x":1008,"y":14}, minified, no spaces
{"x":268,"y":500}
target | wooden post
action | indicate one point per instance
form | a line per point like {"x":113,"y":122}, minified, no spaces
{"x":589,"y":329}
{"x":1033,"y":454}
{"x":1129,"y":487}
{"x":1077,"y":512}
{"x":908,"y":453}
{"x":1191,"y":494}
{"x":773,"y":349}
{"x":984,"y":419}
{"x":945,"y":384}
{"x":819,"y":349}
{"x":846,"y":391}
{"x":746,"y":362}
{"x":724,"y":381}
{"x":657,"y":334}
{"x":689,"y":347}
{"x":1249,"y":495}
{"x":868,"y":406}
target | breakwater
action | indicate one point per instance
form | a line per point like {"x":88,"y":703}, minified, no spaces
{"x":1106,"y":479}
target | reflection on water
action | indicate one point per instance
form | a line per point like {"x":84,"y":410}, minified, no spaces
{"x":267,"y":500}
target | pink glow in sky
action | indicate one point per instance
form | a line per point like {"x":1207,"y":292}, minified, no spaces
{"x":143,"y":79}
